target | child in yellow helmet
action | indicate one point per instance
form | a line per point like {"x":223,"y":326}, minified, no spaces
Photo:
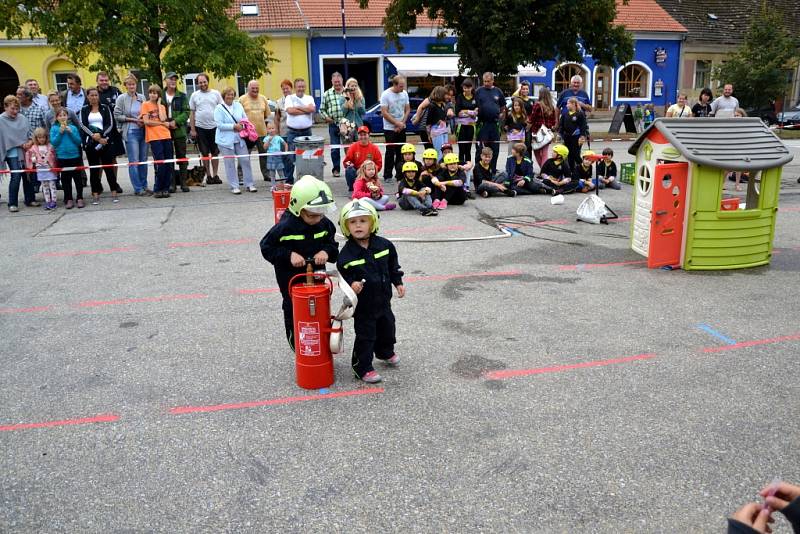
{"x":448,"y":184}
{"x":412,"y":192}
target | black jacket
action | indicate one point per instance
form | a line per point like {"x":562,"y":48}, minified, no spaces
{"x":108,"y":124}
{"x":291,"y":234}
{"x":573,"y":125}
{"x":378,"y":265}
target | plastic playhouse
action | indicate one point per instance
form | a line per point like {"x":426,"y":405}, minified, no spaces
{"x":682,"y":216}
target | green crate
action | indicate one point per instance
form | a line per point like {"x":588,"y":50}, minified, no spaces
{"x":627,"y":172}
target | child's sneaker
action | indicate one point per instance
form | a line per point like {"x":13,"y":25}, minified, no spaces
{"x":52,"y":205}
{"x":47,"y":207}
{"x":372,"y":377}
{"x":393,"y":360}
{"x":443,"y":204}
{"x":436,"y":204}
{"x":429,"y":212}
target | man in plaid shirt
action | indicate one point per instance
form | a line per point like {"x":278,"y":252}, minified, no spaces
{"x":332,"y":110}
{"x":33,"y":112}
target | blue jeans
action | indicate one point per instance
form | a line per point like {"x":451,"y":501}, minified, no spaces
{"x":333,"y":130}
{"x":350,"y":176}
{"x":438,"y":141}
{"x":162,"y":149}
{"x":15,"y":164}
{"x":291,"y":135}
{"x":136,"y":147}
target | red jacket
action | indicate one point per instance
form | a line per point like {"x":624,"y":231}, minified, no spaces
{"x":358,"y":154}
{"x":361,"y":189}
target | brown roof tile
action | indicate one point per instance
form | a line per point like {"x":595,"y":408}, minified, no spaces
{"x":646,"y":16}
{"x":272,"y":15}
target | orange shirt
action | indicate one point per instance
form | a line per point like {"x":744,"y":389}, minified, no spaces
{"x":154,"y":133}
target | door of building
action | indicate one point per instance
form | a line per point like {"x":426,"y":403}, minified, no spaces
{"x":602,"y":88}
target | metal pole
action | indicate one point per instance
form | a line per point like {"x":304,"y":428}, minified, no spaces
{"x":344,"y":43}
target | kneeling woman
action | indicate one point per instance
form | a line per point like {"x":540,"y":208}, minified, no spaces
{"x":156,"y":133}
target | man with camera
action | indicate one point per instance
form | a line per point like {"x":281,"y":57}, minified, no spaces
{"x":332,"y":110}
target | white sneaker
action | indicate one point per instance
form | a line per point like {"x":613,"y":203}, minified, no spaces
{"x":252,"y":189}
{"x":236,"y":191}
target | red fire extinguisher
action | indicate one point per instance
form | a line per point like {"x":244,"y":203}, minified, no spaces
{"x":280,"y":202}
{"x":312,"y":329}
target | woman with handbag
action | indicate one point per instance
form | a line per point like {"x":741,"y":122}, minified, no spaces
{"x":229,"y":117}
{"x":543,"y":119}
{"x":97,"y":122}
{"x":437,"y":128}
{"x":158,"y":136}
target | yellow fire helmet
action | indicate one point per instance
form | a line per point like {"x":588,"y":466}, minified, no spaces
{"x":561,"y":150}
{"x":450,"y":158}
{"x":358,"y":208}
{"x":410,"y":166}
{"x":408,"y":148}
{"x":311,"y":194}
{"x":587,"y":154}
{"x":430,"y":154}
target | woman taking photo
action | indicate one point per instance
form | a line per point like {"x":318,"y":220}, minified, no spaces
{"x":157,"y":135}
{"x":228,"y":117}
{"x":703,"y":107}
{"x":543,"y":114}
{"x":127,"y":112}
{"x":354,"y":109}
{"x":97,"y":122}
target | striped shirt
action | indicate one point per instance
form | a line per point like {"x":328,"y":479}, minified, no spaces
{"x":332,"y":105}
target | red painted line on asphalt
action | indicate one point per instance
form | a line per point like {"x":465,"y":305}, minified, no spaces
{"x":85,"y":252}
{"x":106,"y":418}
{"x":25,"y":310}
{"x":272,"y":402}
{"x":189,"y":244}
{"x":433,"y":230}
{"x":440,"y":277}
{"x":587,"y":266}
{"x":793,"y":208}
{"x":258,"y":290}
{"x":754,"y":343}
{"x":512,"y":373}
{"x":162,"y":298}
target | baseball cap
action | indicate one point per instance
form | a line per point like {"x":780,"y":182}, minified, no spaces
{"x":169,"y":75}
{"x":363,"y":129}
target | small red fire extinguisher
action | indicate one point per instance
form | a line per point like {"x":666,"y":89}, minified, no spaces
{"x":312,"y":329}
{"x":280,"y":202}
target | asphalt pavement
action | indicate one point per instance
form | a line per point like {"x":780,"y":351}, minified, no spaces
{"x":549,"y":381}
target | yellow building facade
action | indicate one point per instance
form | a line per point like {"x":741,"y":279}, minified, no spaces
{"x":23,"y":59}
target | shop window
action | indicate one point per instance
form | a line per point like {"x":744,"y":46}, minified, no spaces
{"x":702,"y":74}
{"x":633,"y":81}
{"x":564,"y":74}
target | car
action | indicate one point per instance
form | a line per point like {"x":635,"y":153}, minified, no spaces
{"x":766,"y":114}
{"x":374,"y":120}
{"x":789,"y":118}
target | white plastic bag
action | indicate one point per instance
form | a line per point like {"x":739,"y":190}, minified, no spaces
{"x":556,"y":200}
{"x":592,"y":209}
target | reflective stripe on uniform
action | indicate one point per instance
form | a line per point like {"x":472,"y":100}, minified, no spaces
{"x":292,"y":237}
{"x":321,"y":234}
{"x":382,"y":253}
{"x":354,"y":263}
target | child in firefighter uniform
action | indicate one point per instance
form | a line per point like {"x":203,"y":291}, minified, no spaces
{"x":302,"y":233}
{"x":369,"y":264}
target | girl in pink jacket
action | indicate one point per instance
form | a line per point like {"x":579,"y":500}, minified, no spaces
{"x":41,"y":158}
{"x":368,"y":187}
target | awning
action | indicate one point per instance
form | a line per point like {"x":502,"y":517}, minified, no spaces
{"x":428,"y":65}
{"x":445,"y":66}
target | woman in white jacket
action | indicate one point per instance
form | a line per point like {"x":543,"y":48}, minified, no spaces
{"x":228,"y":117}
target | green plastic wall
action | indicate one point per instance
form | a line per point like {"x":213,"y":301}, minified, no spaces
{"x":738,"y":239}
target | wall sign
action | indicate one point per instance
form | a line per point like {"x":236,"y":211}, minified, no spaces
{"x":661,"y":56}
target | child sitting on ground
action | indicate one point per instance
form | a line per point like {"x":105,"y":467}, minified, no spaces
{"x":303,"y":233}
{"x":448,"y":185}
{"x":486,"y":183}
{"x":556,"y":172}
{"x":274,"y":144}
{"x":583,"y":173}
{"x":368,"y":187}
{"x":412,"y":192}
{"x":467,"y":167}
{"x":519,"y":172}
{"x":369,"y":264}
{"x":607,"y":171}
{"x":409,"y":153}
{"x":430,"y":166}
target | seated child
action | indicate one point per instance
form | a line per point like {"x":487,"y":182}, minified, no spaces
{"x":412,"y":192}
{"x":519,"y":172}
{"x":556,"y":172}
{"x":467,"y":167}
{"x":368,"y":187}
{"x":369,"y":264}
{"x":409,"y":153}
{"x":303,"y":233}
{"x":486,"y":183}
{"x":583,"y":172}
{"x":448,"y":184}
{"x":607,"y":171}
{"x":430,"y":166}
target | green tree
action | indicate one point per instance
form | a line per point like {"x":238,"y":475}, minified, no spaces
{"x":150,"y":35}
{"x":500,"y":35}
{"x":758,"y":68}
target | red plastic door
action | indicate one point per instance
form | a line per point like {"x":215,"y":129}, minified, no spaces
{"x":666,"y":218}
